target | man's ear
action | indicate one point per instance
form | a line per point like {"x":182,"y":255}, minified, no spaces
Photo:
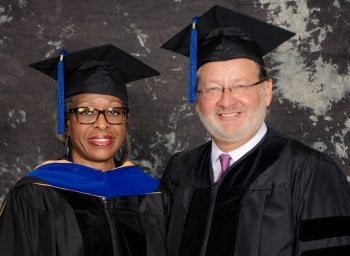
{"x":267,"y":87}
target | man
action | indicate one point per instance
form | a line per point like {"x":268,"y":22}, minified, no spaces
{"x":278,"y":196}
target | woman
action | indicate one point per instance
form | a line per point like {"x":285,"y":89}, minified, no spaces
{"x":92,"y":201}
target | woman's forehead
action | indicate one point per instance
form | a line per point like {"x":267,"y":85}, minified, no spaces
{"x":95,"y":98}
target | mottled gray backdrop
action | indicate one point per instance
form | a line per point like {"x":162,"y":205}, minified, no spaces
{"x":311,"y":74}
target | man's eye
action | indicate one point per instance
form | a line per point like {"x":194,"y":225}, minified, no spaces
{"x":240,"y":86}
{"x":214,"y":90}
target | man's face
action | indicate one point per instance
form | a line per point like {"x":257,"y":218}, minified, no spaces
{"x":232,"y":117}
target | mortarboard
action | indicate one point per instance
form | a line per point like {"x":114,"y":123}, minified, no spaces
{"x":103,"y":69}
{"x":222,"y":34}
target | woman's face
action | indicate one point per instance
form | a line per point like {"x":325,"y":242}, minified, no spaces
{"x":96,"y":144}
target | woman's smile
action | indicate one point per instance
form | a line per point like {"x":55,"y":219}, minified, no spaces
{"x":101,"y":140}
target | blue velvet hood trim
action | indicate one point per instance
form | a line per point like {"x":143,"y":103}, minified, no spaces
{"x":122,"y":181}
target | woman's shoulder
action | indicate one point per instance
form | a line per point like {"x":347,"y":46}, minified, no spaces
{"x":58,"y":161}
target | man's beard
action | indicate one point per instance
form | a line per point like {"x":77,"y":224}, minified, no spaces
{"x":248,"y":128}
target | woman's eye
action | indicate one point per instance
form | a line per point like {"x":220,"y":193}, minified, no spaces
{"x":85,"y":111}
{"x":114,"y":112}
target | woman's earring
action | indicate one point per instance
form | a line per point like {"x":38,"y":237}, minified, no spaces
{"x":67,"y":145}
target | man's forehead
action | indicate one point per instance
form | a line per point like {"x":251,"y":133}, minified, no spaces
{"x":242,"y":66}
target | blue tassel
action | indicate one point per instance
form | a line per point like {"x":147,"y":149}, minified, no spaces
{"x":192,"y":79}
{"x":60,"y":95}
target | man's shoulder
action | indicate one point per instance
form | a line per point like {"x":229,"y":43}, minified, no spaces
{"x":296,"y":151}
{"x":290,"y":142}
{"x":188,"y":166}
{"x":194,"y":152}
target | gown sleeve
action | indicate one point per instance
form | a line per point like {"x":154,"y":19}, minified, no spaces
{"x":165,"y":182}
{"x":322,"y":208}
{"x":19,"y":223}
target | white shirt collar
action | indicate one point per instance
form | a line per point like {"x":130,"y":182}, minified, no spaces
{"x":237,"y":153}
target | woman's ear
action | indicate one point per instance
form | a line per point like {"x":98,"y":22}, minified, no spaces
{"x":67,"y":126}
{"x":69,"y":103}
{"x":127,"y":118}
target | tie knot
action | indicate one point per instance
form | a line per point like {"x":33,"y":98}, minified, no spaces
{"x":224,"y":161}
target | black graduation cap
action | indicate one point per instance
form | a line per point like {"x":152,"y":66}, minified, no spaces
{"x":222,"y":34}
{"x":103,"y":69}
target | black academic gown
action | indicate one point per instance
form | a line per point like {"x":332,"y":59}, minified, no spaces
{"x":281,"y":199}
{"x":39,"y":219}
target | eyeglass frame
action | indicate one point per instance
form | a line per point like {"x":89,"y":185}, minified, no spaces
{"x":230,"y":88}
{"x":103,"y":111}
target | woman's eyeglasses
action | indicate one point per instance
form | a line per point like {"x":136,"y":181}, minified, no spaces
{"x":87,"y":115}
